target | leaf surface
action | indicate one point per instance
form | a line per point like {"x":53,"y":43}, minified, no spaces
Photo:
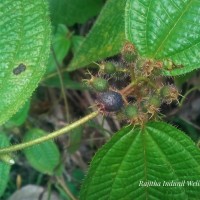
{"x":105,"y":38}
{"x":166,"y":29}
{"x":133,"y":158}
{"x":20,"y":117}
{"x":24,"y":44}
{"x":70,"y":12}
{"x":43,"y":157}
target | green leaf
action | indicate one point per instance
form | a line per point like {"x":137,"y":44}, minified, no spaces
{"x":159,"y":152}
{"x":70,"y":12}
{"x":106,"y":37}
{"x":166,"y":29}
{"x":20,"y":117}
{"x":4,"y":167}
{"x":68,"y":82}
{"x":76,"y":42}
{"x":60,"y":45}
{"x":44,"y":157}
{"x":24,"y":44}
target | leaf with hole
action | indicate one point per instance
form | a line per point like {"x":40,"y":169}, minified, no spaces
{"x":166,"y":29}
{"x":44,"y":157}
{"x":157,"y":153}
{"x":24,"y":44}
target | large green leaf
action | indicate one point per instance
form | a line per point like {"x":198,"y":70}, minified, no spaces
{"x":106,"y":37}
{"x":166,"y":29}
{"x":44,"y":157}
{"x":4,"y":167}
{"x":134,"y":157}
{"x":70,"y":12}
{"x":24,"y":46}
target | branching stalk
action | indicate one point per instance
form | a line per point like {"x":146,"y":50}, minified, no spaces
{"x":50,"y":136}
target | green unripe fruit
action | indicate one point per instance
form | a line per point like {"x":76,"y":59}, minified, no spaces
{"x":109,"y":68}
{"x":129,"y":53}
{"x":139,"y":64}
{"x":131,"y":111}
{"x":100,"y":84}
{"x":168,"y":64}
{"x":129,"y":57}
{"x":169,"y":93}
{"x":155,"y":101}
{"x":165,"y":91}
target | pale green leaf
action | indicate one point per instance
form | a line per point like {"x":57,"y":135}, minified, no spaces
{"x":24,"y":46}
{"x":43,"y":157}
{"x":4,"y":167}
{"x":133,"y":157}
{"x":166,"y":29}
{"x":105,"y":38}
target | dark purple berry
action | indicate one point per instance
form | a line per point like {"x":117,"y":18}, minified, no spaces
{"x":110,"y":101}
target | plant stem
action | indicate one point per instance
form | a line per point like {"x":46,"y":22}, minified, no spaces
{"x":62,"y":86}
{"x":49,"y":136}
{"x":129,"y":88}
{"x":187,"y":93}
{"x":61,"y":181}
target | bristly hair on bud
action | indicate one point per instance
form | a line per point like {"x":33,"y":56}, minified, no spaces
{"x":151,"y":67}
{"x":99,"y":84}
{"x":108,"y":67}
{"x":129,"y":54}
{"x":169,"y":93}
{"x":151,"y":106}
{"x":131,"y":111}
{"x":140,"y":86}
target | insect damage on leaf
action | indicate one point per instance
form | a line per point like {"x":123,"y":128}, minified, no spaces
{"x":19,"y":69}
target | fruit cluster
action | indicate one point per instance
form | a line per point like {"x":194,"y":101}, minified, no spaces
{"x":132,"y":88}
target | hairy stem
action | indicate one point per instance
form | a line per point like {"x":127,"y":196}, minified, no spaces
{"x":62,"y":86}
{"x":49,"y":136}
{"x":130,"y":88}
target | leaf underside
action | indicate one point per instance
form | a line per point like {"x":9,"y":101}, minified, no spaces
{"x":166,"y":29}
{"x":105,"y":38}
{"x":159,"y":152}
{"x":24,"y":44}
